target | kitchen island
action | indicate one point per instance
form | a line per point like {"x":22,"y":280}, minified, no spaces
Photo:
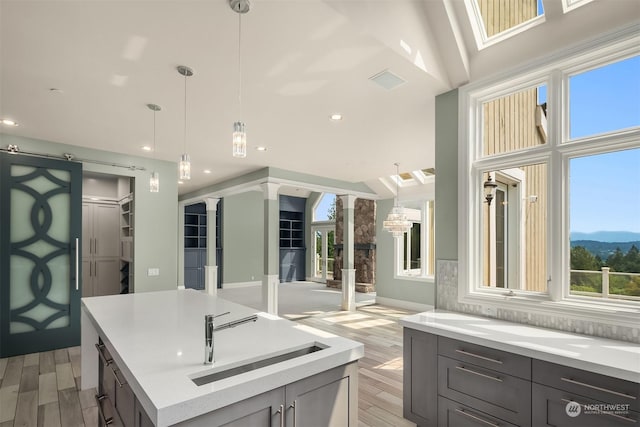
{"x":153,"y":345}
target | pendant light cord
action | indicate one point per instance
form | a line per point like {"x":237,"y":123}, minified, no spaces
{"x":154,"y":134}
{"x":184,"y":138}
{"x":240,"y":60}
{"x":397,"y":185}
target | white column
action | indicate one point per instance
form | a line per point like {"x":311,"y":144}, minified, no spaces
{"x":348,"y":272}
{"x":211,"y":269}
{"x":271,"y":277}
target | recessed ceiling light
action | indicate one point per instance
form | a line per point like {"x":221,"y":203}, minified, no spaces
{"x":9,"y":122}
{"x":180,"y":182}
{"x":261,"y":148}
{"x":55,"y":90}
{"x":207,"y":171}
{"x":336,"y":116}
{"x":146,"y":148}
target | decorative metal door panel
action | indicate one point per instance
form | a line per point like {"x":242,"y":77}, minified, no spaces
{"x":40,"y":230}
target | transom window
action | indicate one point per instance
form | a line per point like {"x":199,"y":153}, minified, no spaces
{"x":553,"y":154}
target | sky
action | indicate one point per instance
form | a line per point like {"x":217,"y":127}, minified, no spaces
{"x":323,"y":207}
{"x":605,"y":189}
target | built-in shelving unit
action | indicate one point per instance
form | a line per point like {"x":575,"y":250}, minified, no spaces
{"x":291,"y":229}
{"x":126,"y":243}
{"x":195,"y":245}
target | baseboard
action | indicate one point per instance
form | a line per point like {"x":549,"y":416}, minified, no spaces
{"x":241,"y":284}
{"x":407,"y":305}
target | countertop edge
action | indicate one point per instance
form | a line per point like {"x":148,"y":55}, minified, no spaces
{"x":522,"y":350}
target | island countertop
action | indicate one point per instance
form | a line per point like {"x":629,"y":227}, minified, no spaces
{"x":617,"y":359}
{"x":157,"y":341}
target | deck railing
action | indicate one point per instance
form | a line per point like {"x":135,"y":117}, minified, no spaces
{"x":612,"y":284}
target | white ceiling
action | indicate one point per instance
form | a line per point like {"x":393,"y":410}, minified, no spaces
{"x":302,"y":60}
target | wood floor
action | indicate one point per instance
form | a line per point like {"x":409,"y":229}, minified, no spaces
{"x":42,"y":389}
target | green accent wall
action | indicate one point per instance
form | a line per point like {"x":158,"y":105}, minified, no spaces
{"x":156,"y":214}
{"x":446,"y":206}
{"x":387,"y":286}
{"x":243,"y":248}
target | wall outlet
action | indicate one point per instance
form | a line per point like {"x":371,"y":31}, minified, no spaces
{"x":489,"y":311}
{"x":153,"y":272}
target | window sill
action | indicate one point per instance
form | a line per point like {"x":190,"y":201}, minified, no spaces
{"x":602,"y":312}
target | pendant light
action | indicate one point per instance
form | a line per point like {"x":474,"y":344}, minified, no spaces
{"x":154,"y":180}
{"x":397,"y":223}
{"x":239,"y":135}
{"x":185,"y":160}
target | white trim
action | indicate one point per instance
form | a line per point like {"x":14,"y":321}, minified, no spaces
{"x":407,"y":305}
{"x":241,"y":284}
{"x":554,"y":71}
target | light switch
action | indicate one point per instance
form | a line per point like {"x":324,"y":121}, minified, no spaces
{"x":153,"y":272}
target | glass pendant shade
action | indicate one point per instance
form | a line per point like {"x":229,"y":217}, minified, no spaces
{"x":397,"y":223}
{"x":154,"y":182}
{"x":239,"y":140}
{"x":185,"y":166}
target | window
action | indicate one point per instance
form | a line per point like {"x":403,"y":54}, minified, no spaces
{"x":415,"y":250}
{"x":325,"y":209}
{"x":560,"y":147}
{"x":493,"y":21}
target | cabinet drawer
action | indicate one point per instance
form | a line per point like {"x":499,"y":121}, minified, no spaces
{"x":550,"y":409}
{"x":497,"y":360}
{"x":454,"y":414}
{"x":497,"y":394}
{"x":594,"y":386}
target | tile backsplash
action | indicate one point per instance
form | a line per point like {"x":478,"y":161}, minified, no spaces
{"x":447,"y":299}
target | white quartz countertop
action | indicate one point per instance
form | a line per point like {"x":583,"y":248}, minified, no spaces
{"x":157,"y":340}
{"x":617,"y":359}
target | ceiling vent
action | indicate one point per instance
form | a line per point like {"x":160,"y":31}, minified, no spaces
{"x":387,"y":80}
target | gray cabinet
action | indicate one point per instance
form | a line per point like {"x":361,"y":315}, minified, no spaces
{"x":420,"y":377}
{"x":100,"y":249}
{"x":324,"y":400}
{"x":482,"y":386}
{"x":602,"y":400}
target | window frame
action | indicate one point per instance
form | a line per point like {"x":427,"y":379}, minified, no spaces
{"x":427,"y":212}
{"x":554,"y":71}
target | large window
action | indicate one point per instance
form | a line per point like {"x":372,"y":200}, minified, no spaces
{"x":551,"y":189}
{"x":415,"y":249}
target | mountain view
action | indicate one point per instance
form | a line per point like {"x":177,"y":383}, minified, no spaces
{"x":617,"y":250}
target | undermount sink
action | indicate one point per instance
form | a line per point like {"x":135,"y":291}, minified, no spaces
{"x":257,"y":364}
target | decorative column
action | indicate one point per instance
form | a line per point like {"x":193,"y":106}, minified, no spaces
{"x":271,"y":277}
{"x":211,"y":268}
{"x":348,"y":272}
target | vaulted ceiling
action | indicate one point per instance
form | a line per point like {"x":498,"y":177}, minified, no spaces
{"x":302,"y":60}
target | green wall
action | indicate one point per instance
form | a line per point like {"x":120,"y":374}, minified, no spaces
{"x":446,"y":206}
{"x":156,"y":214}
{"x":413,"y":291}
{"x":243,"y":238}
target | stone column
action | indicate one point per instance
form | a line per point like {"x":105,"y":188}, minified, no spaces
{"x":211,"y":268}
{"x":348,"y":272}
{"x":271,"y":277}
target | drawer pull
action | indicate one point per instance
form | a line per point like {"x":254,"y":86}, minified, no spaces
{"x":115,"y":375}
{"x":462,"y":368}
{"x":593,"y":387}
{"x":281,"y":412}
{"x":488,"y":359}
{"x":474,"y":417}
{"x":105,"y":362}
{"x":106,"y":421}
{"x":630,"y":420}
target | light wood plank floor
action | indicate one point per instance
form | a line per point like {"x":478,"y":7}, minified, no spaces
{"x":42,"y":389}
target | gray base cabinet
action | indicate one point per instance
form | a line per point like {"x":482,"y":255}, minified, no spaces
{"x":455,"y":383}
{"x":324,"y":400}
{"x":420,"y":377}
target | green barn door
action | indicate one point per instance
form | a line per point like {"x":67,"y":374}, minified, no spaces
{"x":40,"y":231}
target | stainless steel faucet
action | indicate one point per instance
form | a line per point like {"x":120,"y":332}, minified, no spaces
{"x":210,"y":328}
